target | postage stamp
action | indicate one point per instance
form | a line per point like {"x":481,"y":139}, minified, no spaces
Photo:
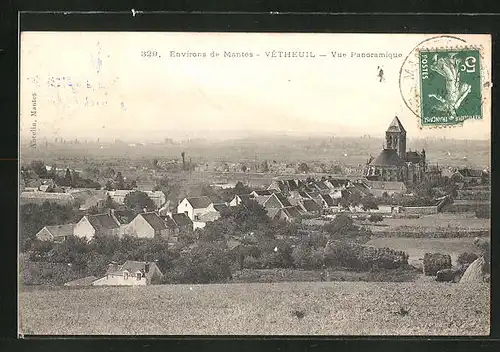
{"x":450,"y":86}
{"x":445,"y":80}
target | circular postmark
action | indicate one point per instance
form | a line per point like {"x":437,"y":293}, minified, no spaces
{"x":444,"y":60}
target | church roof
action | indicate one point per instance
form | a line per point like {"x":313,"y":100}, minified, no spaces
{"x":396,"y":126}
{"x":387,"y":157}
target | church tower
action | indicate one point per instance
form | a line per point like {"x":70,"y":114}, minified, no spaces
{"x":395,"y":138}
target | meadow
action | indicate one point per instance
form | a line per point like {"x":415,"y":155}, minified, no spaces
{"x":417,"y":247}
{"x":441,"y":222}
{"x":298,"y":308}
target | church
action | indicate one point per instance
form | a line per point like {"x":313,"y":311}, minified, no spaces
{"x":394,"y":163}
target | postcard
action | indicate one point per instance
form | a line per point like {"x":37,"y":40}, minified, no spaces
{"x":254,"y":183}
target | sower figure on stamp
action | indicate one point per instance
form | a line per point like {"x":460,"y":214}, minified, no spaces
{"x":456,"y":92}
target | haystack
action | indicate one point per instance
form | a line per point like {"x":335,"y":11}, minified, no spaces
{"x":446,"y":275}
{"x":433,"y":262}
{"x":474,"y":272}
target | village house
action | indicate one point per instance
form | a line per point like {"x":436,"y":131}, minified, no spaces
{"x":385,"y":188}
{"x":56,"y":233}
{"x":239,"y":199}
{"x":277,"y":200}
{"x":288,"y":214}
{"x":100,"y":224}
{"x":308,"y":206}
{"x":193,"y":207}
{"x":204,"y":218}
{"x":147,"y":225}
{"x":178,"y":223}
{"x":469,"y":176}
{"x":118,"y":196}
{"x":261,"y":193}
{"x":41,"y":197}
{"x":131,"y":273}
{"x":325,"y":201}
{"x":123,"y":217}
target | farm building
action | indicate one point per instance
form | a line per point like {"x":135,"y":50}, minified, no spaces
{"x":100,"y":224}
{"x":86,"y":281}
{"x":193,"y":207}
{"x":308,"y":206}
{"x":131,"y":273}
{"x":202,"y":219}
{"x":41,"y":197}
{"x":469,"y":176}
{"x":277,"y":200}
{"x":147,"y":225}
{"x":389,"y":188}
{"x":56,"y":233}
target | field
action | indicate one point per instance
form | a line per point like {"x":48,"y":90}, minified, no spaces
{"x":326,"y":308}
{"x":417,"y":247}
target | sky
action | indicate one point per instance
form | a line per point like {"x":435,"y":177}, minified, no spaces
{"x":100,"y":85}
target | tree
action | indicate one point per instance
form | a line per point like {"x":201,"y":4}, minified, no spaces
{"x":109,"y":186}
{"x":138,"y":201}
{"x":155,"y":163}
{"x":110,"y":203}
{"x":67,"y":178}
{"x":369,"y":203}
{"x":265,"y":166}
{"x":244,"y":168}
{"x":38,"y":167}
{"x":375,"y":218}
{"x":120,"y":183}
{"x":303,"y":168}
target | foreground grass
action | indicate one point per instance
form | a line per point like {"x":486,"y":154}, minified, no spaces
{"x":319,"y":308}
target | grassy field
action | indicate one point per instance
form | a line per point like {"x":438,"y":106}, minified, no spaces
{"x":417,"y":247}
{"x":326,"y":308}
{"x":441,"y":222}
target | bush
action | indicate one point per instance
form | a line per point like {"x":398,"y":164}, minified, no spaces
{"x":376,"y":218}
{"x":433,"y":262}
{"x":306,"y":257}
{"x":466,"y":258}
{"x":483,"y":213}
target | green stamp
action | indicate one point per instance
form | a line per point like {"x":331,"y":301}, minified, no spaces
{"x":450,"y":86}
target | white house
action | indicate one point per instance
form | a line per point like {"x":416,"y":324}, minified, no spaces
{"x":100,"y":224}
{"x":193,"y":207}
{"x":56,"y":233}
{"x":147,"y":225}
{"x":131,"y":273}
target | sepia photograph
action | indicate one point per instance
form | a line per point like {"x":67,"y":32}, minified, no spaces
{"x":210,"y":183}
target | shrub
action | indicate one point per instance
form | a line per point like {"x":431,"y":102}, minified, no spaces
{"x":433,"y":262}
{"x":376,"y":218}
{"x":466,"y":258}
{"x":306,"y":257}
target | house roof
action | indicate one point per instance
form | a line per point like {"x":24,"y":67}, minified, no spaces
{"x":396,"y":126}
{"x":263,"y":192}
{"x":291,"y":212}
{"x":199,"y":202}
{"x":309,"y":205}
{"x":220,"y":207}
{"x":124,"y":216}
{"x":102,"y":221}
{"x":328,"y":200}
{"x":321,"y":185}
{"x":304,"y":194}
{"x":470,"y":172}
{"x":387,"y":157}
{"x":154,"y":221}
{"x":262,"y":200}
{"x":134,"y":266}
{"x":282,"y":199}
{"x":208,"y":217}
{"x":61,"y":230}
{"x":181,"y":219}
{"x":272,"y":213}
